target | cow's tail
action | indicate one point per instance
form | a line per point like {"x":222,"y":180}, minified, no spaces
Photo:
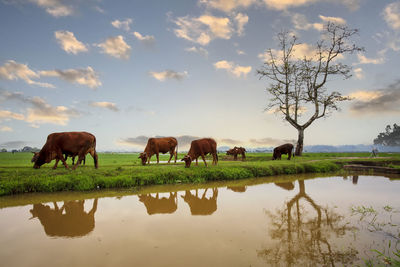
{"x":94,"y":155}
{"x":176,"y":152}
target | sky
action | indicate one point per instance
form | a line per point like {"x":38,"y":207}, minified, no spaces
{"x":129,"y":70}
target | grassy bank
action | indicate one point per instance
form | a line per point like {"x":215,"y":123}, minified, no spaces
{"x":125,"y":171}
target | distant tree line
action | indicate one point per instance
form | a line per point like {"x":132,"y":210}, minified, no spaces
{"x":24,"y":149}
{"x":390,"y":137}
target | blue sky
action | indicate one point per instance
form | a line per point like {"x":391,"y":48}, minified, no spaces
{"x":128,"y":70}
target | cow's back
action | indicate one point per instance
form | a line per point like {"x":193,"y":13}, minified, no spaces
{"x":71,"y":142}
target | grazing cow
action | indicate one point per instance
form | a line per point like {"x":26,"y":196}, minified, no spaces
{"x":159,"y":145}
{"x":203,"y":205}
{"x":235,"y":151}
{"x":201,"y":147}
{"x":66,"y":143}
{"x":157,"y":205}
{"x":283,"y":149}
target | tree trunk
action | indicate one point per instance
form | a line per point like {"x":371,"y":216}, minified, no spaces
{"x":299,"y":146}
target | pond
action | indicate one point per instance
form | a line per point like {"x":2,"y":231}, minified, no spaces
{"x":300,"y":220}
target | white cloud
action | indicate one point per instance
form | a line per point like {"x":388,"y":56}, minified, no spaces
{"x":284,"y":4}
{"x":299,"y":52}
{"x":6,"y":114}
{"x":39,"y":112}
{"x":300,"y":22}
{"x":122,"y":24}
{"x":336,"y":20}
{"x":241,"y":21}
{"x":232,"y":68}
{"x":168,"y":74}
{"x":12,"y":70}
{"x":5,"y":129}
{"x":116,"y":47}
{"x":198,"y":50}
{"x":240,"y":52}
{"x":87,"y":77}
{"x":359,"y":73}
{"x":69,"y":43}
{"x":366,"y":95}
{"x":391,"y":14}
{"x":364,"y":60}
{"x":204,"y":29}
{"x":227,"y":5}
{"x":147,"y":39}
{"x":108,"y":105}
{"x":55,"y":8}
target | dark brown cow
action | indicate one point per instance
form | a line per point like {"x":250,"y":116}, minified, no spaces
{"x":159,"y":145}
{"x":201,"y":147}
{"x":283,"y":149}
{"x":66,"y":143}
{"x":235,"y":151}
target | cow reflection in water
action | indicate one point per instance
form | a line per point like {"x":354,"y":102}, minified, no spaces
{"x":201,"y":205}
{"x":70,"y":220}
{"x":304,"y":236}
{"x":157,"y":205}
{"x":237,"y":189}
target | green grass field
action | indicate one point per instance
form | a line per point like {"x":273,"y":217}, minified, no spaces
{"x":125,"y":170}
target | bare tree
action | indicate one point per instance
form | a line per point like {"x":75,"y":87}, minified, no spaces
{"x":298,"y":81}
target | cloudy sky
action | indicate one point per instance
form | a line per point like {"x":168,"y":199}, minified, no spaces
{"x":127,"y":70}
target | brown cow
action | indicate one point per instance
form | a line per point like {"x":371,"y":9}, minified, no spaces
{"x":201,"y":147}
{"x":235,"y":151}
{"x":157,"y":145}
{"x":283,"y":149}
{"x":68,"y":143}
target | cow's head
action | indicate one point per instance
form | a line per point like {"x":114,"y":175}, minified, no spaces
{"x":40,"y":158}
{"x":35,"y":156}
{"x":188,"y":160}
{"x":276,"y":154}
{"x":143,"y":156}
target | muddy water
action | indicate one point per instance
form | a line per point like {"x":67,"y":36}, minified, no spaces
{"x":249,"y":223}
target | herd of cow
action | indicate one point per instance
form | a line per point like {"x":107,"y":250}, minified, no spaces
{"x":60,"y":146}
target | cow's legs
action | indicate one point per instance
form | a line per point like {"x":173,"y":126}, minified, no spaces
{"x":58,"y":157}
{"x":234,"y":156}
{"x":172,"y":154}
{"x":289,"y":155}
{"x":215,"y":158}
{"x":197,"y":163}
{"x":81,"y":156}
{"x":55,"y":165}
{"x":148,"y":160}
{"x":204,"y":159}
{"x":157,"y":155}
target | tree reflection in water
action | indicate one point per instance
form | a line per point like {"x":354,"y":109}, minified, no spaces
{"x":201,"y":205}
{"x":157,"y":205}
{"x":70,"y":220}
{"x":303,"y":239}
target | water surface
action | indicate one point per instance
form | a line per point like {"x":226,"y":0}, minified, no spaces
{"x":252,"y":222}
